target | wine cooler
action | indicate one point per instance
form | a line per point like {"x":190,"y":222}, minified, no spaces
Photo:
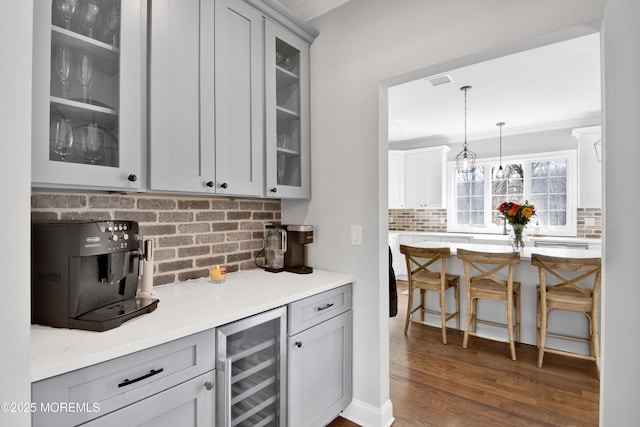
{"x":251,"y":371}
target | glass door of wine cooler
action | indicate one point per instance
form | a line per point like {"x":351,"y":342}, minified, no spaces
{"x":84,"y":133}
{"x":251,"y":369}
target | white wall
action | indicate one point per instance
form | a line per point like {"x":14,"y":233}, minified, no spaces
{"x":15,"y":175}
{"x":620,"y":385}
{"x":361,"y":44}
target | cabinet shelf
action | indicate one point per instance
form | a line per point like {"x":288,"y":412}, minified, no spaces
{"x":287,"y":152}
{"x":105,"y":56}
{"x":82,"y":112}
{"x":285,"y":78}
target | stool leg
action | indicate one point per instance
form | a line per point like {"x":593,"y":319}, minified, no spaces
{"x":443,"y":315}
{"x":509,"y":313}
{"x":409,"y":306}
{"x":457,"y":297}
{"x":470,"y":306}
{"x":517,"y":306}
{"x":543,"y":331}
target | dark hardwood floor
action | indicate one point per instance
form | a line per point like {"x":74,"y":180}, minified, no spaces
{"x":439,"y":385}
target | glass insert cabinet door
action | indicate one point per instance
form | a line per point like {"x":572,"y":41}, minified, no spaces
{"x":85,"y":133}
{"x":287,"y":113}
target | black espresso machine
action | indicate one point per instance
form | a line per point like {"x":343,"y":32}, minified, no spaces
{"x":84,"y":274}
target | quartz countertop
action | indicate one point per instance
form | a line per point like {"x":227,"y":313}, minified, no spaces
{"x":486,"y":236}
{"x":525,"y":253}
{"x":185,"y":308}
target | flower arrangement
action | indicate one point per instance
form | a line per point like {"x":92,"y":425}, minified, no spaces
{"x":516,"y":213}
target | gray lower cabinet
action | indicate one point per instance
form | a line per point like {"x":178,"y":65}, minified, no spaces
{"x":189,"y":404}
{"x":320,"y":357}
{"x":140,"y":384}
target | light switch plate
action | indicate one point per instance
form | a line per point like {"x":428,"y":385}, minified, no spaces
{"x":356,"y":235}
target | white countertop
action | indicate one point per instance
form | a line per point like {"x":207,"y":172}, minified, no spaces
{"x":524,"y":253}
{"x":487,"y":236}
{"x":184,"y":309}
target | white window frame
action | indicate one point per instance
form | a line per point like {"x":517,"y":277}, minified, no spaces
{"x":572,"y":194}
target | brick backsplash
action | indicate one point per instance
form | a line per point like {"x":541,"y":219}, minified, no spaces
{"x":418,"y":220}
{"x":190,"y":234}
{"x":589,"y":221}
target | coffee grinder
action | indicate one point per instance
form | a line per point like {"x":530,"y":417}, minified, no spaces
{"x":295,"y":258}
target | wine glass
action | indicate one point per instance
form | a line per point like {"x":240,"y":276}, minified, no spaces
{"x":61,"y":137}
{"x":62,"y":64}
{"x":91,"y":15}
{"x":282,"y":159}
{"x":85,"y":72}
{"x":66,"y":8}
{"x":113,"y":23}
{"x":92,"y":143}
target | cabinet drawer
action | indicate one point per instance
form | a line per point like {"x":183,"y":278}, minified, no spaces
{"x":310,"y":311}
{"x":190,"y":404}
{"x":119,"y":382}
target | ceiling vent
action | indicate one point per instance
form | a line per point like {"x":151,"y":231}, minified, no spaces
{"x":440,"y":80}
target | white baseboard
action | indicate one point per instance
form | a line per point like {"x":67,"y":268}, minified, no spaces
{"x":369,"y":416}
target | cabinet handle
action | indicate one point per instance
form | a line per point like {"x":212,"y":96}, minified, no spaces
{"x":208,"y":385}
{"x":274,"y":190}
{"x":132,"y":178}
{"x":298,"y":344}
{"x":324,"y":307}
{"x":151,"y":373}
{"x":224,"y":185}
{"x":209,"y":184}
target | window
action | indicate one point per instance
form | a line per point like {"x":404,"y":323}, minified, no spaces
{"x":547,"y":181}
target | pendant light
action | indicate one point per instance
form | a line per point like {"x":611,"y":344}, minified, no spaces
{"x":500,"y":171}
{"x":466,"y":159}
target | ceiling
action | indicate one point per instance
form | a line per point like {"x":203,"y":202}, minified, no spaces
{"x":551,"y":87}
{"x":309,"y":9}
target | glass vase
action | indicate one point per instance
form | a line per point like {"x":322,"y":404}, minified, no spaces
{"x":517,"y":240}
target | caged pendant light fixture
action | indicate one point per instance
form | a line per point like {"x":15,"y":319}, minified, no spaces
{"x":500,"y":172}
{"x":466,"y":159}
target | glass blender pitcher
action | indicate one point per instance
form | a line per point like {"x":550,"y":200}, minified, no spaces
{"x":275,"y":247}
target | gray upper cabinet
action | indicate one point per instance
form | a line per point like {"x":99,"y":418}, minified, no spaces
{"x":88,"y":111}
{"x":239,"y":99}
{"x":206,"y":97}
{"x":287,"y":113}
{"x":181,"y":108}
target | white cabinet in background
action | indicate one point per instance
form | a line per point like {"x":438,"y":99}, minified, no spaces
{"x":425,"y":178}
{"x":88,"y":120}
{"x":396,"y":179}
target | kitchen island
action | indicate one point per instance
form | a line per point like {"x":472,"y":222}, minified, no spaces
{"x":572,"y":323}
{"x":185,"y":308}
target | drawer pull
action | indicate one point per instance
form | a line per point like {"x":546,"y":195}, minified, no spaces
{"x":208,"y":385}
{"x":151,"y":373}
{"x":298,"y":344}
{"x":324,"y":307}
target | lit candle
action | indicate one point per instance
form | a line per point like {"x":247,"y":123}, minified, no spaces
{"x":218,"y":274}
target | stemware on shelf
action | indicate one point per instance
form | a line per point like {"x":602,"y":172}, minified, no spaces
{"x":92,"y":143}
{"x":61,"y":138}
{"x":90,"y":16}
{"x":282,"y":160}
{"x":85,"y":72}
{"x":66,"y":8}
{"x":112,"y":24}
{"x":62,"y":64}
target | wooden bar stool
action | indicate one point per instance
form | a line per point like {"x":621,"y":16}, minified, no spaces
{"x":480,"y":270}
{"x":574,"y":285}
{"x":423,"y":274}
